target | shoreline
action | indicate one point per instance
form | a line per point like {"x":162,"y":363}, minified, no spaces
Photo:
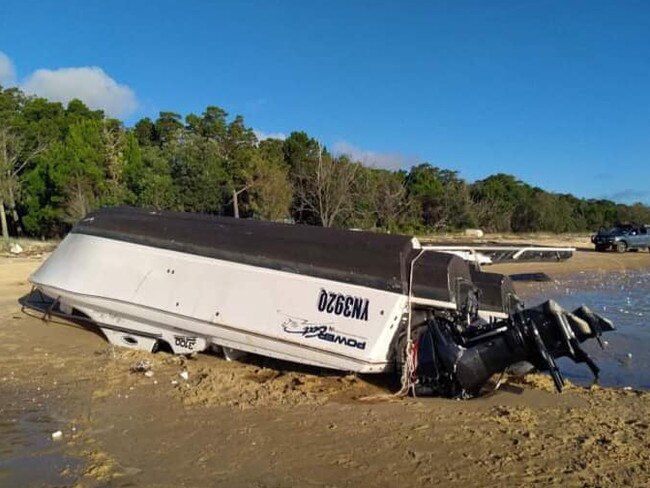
{"x":269,"y":423}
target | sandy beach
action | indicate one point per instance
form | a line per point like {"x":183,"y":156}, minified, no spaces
{"x":264,"y":423}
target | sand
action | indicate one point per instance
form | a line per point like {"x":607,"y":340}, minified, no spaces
{"x":266,"y":423}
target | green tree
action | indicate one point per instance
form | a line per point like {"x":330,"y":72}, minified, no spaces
{"x":239,"y":148}
{"x":57,"y":163}
{"x":198,"y":172}
{"x":443,"y":198}
{"x":212,"y":124}
{"x":167,"y":127}
{"x":271,"y":191}
{"x":299,"y":148}
{"x":79,"y":169}
{"x":155,"y":185}
{"x":19,"y":147}
{"x":496,"y":199}
{"x":145,"y":132}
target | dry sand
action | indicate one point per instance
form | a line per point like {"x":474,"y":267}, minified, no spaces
{"x":270,"y":424}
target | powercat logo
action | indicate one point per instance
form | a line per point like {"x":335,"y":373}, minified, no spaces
{"x":310,"y":330}
{"x":346,"y":305}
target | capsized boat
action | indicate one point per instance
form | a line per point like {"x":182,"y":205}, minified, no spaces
{"x":348,"y":300}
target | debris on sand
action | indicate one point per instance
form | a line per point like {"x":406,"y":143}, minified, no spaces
{"x":142,"y":366}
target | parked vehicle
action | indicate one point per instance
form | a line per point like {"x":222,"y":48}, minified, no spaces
{"x":622,"y":238}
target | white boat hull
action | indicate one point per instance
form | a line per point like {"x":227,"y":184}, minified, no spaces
{"x":157,"y":294}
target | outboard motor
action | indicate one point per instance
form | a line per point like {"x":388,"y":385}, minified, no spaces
{"x":456,"y":361}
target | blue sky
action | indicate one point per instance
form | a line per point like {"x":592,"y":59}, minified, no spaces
{"x":554,"y":92}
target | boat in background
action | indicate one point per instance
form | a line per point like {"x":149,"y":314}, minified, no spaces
{"x":484,"y":254}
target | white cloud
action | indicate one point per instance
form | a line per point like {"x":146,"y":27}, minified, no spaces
{"x":392,"y":161}
{"x":7,"y":71}
{"x":89,"y":84}
{"x":261,"y":135}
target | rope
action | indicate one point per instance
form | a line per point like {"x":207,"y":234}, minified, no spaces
{"x":410,"y":353}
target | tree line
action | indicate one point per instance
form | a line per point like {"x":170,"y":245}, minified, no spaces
{"x":59,"y":162}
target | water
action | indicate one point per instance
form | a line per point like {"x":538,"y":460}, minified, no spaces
{"x":622,"y":297}
{"x":28,"y":455}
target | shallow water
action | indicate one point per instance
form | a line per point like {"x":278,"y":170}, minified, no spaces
{"x":622,"y":297}
{"x":28,"y":455}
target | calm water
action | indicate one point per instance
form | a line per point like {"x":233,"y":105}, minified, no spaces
{"x":28,"y":455}
{"x":622,"y":297}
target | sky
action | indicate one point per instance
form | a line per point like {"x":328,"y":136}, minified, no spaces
{"x":556,"y":93}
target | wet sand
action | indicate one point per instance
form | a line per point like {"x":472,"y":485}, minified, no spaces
{"x":267,"y":423}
